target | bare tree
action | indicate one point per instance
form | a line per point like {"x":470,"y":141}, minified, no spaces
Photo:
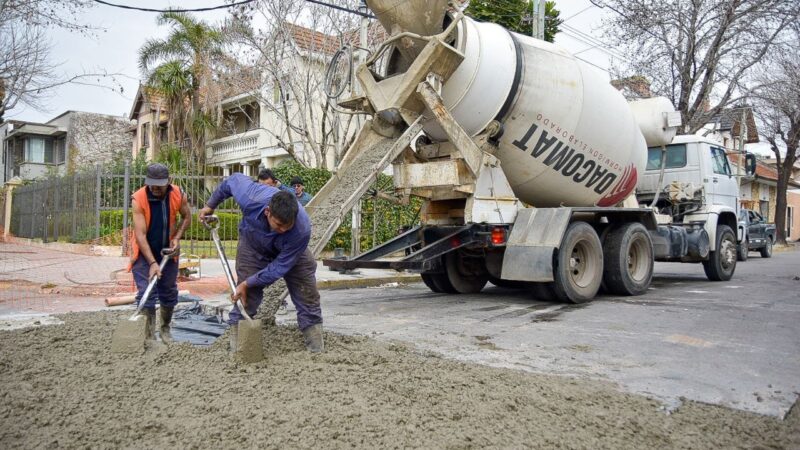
{"x":27,"y":73}
{"x":777,"y":102}
{"x":697,"y":53}
{"x":291,"y":60}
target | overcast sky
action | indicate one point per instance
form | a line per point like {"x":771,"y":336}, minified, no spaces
{"x":115,"y":51}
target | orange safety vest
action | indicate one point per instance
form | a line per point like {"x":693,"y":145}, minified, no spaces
{"x":175,"y":201}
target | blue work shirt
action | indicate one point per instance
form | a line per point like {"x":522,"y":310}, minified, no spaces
{"x":283,"y":249}
{"x":303,"y":199}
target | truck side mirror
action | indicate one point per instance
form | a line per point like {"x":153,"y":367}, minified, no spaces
{"x":750,"y":164}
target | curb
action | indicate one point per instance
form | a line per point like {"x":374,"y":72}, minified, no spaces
{"x":367,"y":282}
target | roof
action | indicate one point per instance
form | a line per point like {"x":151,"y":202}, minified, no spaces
{"x":310,"y":40}
{"x":730,"y":118}
{"x":313,"y":41}
{"x":144,"y":94}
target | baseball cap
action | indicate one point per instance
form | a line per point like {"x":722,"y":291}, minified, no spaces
{"x":157,"y":175}
{"x":297,"y":180}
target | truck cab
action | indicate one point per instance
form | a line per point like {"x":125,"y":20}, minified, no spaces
{"x":697,"y":184}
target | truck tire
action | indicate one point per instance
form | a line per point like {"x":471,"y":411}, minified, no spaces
{"x":742,"y":250}
{"x":627,"y":260}
{"x":766,"y":250}
{"x":465,"y":276}
{"x":578,"y":269}
{"x":438,"y":282}
{"x":721,"y":262}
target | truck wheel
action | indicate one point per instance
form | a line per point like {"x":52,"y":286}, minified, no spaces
{"x":766,"y":250}
{"x":578,"y":271}
{"x":742,"y":250}
{"x":628,"y":260}
{"x":721,"y":262}
{"x":465,"y":274}
{"x":438,"y":282}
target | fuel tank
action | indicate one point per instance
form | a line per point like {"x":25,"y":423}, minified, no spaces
{"x":569,"y":137}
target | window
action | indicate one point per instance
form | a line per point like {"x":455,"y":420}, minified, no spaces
{"x":39,"y":150}
{"x":145,"y":135}
{"x":281,"y":93}
{"x":676,"y":157}
{"x":720,"y":161}
{"x":61,"y":151}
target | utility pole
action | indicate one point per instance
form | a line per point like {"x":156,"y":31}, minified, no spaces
{"x":355,"y":230}
{"x":742,"y":134}
{"x":537,"y":19}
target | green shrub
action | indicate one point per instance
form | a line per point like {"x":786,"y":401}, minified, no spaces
{"x":228,"y":228}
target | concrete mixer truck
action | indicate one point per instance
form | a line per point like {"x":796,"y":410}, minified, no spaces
{"x":534,"y":172}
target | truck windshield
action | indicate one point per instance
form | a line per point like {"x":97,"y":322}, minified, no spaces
{"x":676,"y":157}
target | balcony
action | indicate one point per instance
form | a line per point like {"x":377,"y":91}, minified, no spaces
{"x":238,"y":147}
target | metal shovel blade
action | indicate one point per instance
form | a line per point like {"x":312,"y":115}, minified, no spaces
{"x":130,"y":335}
{"x":249,"y":347}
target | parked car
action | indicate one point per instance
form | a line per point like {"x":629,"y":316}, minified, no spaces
{"x":757,"y":234}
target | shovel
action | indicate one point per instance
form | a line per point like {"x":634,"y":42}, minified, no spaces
{"x":248,"y":346}
{"x":130,"y":335}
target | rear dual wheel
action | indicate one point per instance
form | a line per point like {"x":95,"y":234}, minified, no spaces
{"x":578,"y":269}
{"x":463,"y":274}
{"x":628,"y":260}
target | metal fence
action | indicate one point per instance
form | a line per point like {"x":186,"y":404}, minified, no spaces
{"x":94,"y":207}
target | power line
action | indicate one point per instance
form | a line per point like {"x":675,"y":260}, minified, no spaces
{"x":210,"y":8}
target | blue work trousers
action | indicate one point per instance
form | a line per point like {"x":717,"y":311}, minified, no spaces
{"x":301,"y":280}
{"x":166,"y":289}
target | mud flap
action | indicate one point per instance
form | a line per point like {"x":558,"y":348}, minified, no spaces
{"x":536,"y":234}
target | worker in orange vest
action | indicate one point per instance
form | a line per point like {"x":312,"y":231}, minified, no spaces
{"x":156,"y":227}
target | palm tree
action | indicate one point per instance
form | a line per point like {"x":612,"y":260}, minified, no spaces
{"x":180,"y":67}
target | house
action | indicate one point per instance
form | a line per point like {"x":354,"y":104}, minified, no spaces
{"x":68,"y":142}
{"x":725,"y":127}
{"x":760,"y":193}
{"x":148,"y":122}
{"x":254,"y":131}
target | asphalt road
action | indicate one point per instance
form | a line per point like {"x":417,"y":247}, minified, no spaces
{"x":733,"y":343}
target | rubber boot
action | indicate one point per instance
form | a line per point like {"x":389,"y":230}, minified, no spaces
{"x":313,"y":338}
{"x":150,"y":324}
{"x":166,"y":318}
{"x":234,"y":338}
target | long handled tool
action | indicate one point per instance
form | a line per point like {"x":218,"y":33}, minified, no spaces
{"x":130,"y":335}
{"x":248,"y":340}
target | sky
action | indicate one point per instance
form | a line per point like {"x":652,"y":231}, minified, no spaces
{"x":115,"y":49}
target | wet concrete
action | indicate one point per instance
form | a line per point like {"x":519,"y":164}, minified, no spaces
{"x":60,"y":386}
{"x":734,"y":344}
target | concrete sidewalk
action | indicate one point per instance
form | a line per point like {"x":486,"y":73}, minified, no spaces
{"x":43,"y":279}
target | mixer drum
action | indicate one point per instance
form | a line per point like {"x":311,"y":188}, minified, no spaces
{"x":570,"y":138}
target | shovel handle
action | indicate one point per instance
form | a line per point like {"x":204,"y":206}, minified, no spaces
{"x":165,"y":254}
{"x":212,"y":224}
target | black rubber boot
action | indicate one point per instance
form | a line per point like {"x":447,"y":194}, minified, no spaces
{"x":166,"y":318}
{"x":313,"y":338}
{"x":150,"y":325}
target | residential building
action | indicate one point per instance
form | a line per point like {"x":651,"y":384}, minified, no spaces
{"x":725,"y":127}
{"x":149,"y":116}
{"x":265,"y":121}
{"x":760,"y":193}
{"x":72,"y":140}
